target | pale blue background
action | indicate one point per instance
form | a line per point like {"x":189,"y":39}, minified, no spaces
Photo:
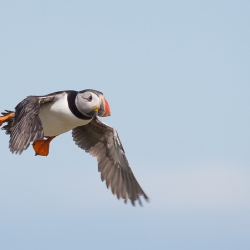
{"x":176,"y":75}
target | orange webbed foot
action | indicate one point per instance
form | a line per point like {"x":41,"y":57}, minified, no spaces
{"x":41,"y":147}
{"x":6,"y":117}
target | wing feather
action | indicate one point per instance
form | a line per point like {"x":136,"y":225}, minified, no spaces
{"x":27,"y":126}
{"x":102,"y":142}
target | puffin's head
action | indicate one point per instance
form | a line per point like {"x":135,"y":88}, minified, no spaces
{"x":92,"y":103}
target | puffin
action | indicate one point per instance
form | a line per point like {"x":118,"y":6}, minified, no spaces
{"x":39,"y":119}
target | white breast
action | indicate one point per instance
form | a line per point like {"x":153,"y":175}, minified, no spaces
{"x":57,"y":118}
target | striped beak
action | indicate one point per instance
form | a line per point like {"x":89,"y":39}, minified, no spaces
{"x":104,"y":109}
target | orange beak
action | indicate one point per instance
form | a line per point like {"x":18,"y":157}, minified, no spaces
{"x":104,"y":108}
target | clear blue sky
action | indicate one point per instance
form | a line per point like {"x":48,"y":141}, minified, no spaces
{"x":176,"y":75}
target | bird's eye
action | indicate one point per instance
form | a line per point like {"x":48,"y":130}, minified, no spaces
{"x":89,"y":98}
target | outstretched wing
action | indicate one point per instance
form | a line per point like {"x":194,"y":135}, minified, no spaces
{"x":27,"y":126}
{"x":102,"y":142}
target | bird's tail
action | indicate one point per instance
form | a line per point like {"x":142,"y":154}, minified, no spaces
{"x":9,"y":117}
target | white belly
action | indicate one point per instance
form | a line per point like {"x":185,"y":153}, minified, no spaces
{"x":57,"y":118}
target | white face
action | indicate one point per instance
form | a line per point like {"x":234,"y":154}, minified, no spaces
{"x":88,"y":103}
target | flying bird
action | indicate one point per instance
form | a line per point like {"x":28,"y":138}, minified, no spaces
{"x":39,"y":119}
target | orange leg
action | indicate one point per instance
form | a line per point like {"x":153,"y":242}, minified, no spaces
{"x":6,"y":117}
{"x":41,"y":147}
